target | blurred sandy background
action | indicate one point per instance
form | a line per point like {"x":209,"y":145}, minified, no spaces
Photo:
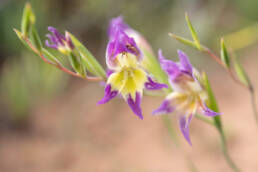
{"x":50,"y":121}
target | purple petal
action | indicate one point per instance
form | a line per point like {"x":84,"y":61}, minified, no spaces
{"x":184,"y":127}
{"x":108,"y":95}
{"x":51,"y":45}
{"x":52,"y":38}
{"x":116,"y":24}
{"x":170,"y":67}
{"x":60,"y":38}
{"x":135,"y":105}
{"x":164,"y":108}
{"x":209,"y":112}
{"x":185,"y":63}
{"x":151,"y":85}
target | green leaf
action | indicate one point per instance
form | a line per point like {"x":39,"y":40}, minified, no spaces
{"x":212,"y":103}
{"x":183,"y":40}
{"x":20,"y":36}
{"x":243,"y":77}
{"x":76,"y":64}
{"x":193,"y":33}
{"x":49,"y":56}
{"x":87,"y":59}
{"x":35,"y":39}
{"x":28,"y":19}
{"x":224,"y":53}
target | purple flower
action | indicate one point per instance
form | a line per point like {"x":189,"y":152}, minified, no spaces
{"x":188,"y":96}
{"x":128,"y":77}
{"x":62,"y":43}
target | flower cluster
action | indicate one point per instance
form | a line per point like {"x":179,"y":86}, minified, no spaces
{"x":127,"y":76}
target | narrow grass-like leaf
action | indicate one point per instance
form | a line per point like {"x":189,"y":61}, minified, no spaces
{"x":224,"y":53}
{"x":20,"y":36}
{"x":36,"y":39}
{"x":91,"y":64}
{"x":193,"y":32}
{"x":28,"y":18}
{"x":243,"y":77}
{"x":212,"y":104}
{"x":49,"y":56}
{"x":183,"y":40}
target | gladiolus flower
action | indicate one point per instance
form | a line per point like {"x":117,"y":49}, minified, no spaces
{"x":188,"y":96}
{"x":126,"y":76}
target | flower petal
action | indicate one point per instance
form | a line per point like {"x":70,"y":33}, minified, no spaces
{"x":164,"y":108}
{"x":108,"y":95}
{"x":170,"y":67}
{"x":135,"y":104}
{"x":209,"y":112}
{"x":185,"y":63}
{"x":184,"y":127}
{"x":152,"y":85}
{"x":116,"y":24}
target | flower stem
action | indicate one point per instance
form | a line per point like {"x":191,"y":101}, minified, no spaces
{"x":225,"y":151}
{"x":253,"y":102}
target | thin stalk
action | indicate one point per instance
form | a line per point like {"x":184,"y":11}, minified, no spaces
{"x":218,"y":60}
{"x":253,"y":102}
{"x":225,"y":151}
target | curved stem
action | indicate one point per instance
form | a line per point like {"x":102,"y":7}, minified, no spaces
{"x":253,"y":102}
{"x":225,"y":151}
{"x":218,"y":60}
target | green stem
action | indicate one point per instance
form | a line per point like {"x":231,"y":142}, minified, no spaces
{"x":225,"y":151}
{"x":253,"y":102}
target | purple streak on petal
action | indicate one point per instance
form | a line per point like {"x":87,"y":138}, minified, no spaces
{"x":151,"y":85}
{"x":108,"y":95}
{"x":185,"y":63}
{"x":135,"y":105}
{"x":164,"y":108}
{"x":170,"y":67}
{"x":209,"y":112}
{"x":184,"y":123}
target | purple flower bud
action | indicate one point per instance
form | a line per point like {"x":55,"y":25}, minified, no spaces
{"x":58,"y":41}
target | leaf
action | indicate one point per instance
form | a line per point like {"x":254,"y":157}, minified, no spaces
{"x":183,"y":40}
{"x":193,"y":33}
{"x":75,"y":63}
{"x":243,"y":77}
{"x":28,"y":19}
{"x":224,"y":53}
{"x":212,"y":103}
{"x":20,"y":36}
{"x":87,"y":59}
{"x":35,"y":39}
{"x":49,"y":56}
